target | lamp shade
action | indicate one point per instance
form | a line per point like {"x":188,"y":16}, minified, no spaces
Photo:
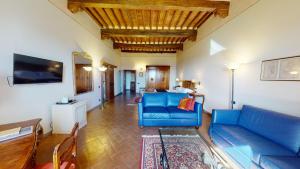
{"x":88,"y":68}
{"x":102,"y":68}
{"x":233,"y":66}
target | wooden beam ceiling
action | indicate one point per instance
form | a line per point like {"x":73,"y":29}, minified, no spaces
{"x":157,"y":26}
{"x":109,"y":33}
{"x":153,"y":51}
{"x":147,"y":47}
{"x":220,"y":7}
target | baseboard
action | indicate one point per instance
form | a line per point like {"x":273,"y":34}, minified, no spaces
{"x":47,"y":134}
{"x":207,"y":112}
{"x":94,"y":108}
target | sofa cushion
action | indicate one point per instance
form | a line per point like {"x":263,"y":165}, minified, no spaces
{"x":155,"y":99}
{"x":280,"y":162}
{"x":249,"y":143}
{"x":155,"y":109}
{"x":176,"y":113}
{"x":155,"y":113}
{"x":174,"y":98}
{"x":272,"y":125}
{"x":156,"y":116}
{"x":240,"y":158}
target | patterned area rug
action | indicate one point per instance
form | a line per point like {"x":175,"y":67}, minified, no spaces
{"x":184,"y":152}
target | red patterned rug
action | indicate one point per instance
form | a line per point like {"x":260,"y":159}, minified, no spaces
{"x":183,"y":152}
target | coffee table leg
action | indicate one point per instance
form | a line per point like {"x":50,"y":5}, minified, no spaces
{"x":163,"y":161}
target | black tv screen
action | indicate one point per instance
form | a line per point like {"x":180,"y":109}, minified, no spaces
{"x":29,"y":70}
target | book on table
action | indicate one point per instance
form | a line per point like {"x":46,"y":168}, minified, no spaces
{"x":15,"y":132}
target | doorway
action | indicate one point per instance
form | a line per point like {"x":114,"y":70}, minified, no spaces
{"x":129,"y":83}
{"x":157,"y":77}
{"x":108,"y":82}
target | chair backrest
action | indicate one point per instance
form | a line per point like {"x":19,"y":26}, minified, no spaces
{"x":65,"y":153}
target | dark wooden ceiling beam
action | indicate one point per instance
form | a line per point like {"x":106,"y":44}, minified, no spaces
{"x":221,"y":8}
{"x":109,"y":33}
{"x":137,"y":51}
{"x":147,"y":47}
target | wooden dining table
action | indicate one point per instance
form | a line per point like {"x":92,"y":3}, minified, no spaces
{"x":19,"y":153}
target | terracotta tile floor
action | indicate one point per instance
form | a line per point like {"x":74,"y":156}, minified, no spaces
{"x":112,"y":138}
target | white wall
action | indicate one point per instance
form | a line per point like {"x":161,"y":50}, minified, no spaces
{"x":257,"y":34}
{"x":138,"y":61}
{"x":129,"y":78}
{"x":37,"y":28}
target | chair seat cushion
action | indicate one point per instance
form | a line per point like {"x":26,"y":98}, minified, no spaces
{"x":280,"y":162}
{"x":50,"y":166}
{"x":176,"y":113}
{"x":250,"y":144}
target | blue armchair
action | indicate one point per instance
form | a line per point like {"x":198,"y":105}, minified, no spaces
{"x":160,"y":109}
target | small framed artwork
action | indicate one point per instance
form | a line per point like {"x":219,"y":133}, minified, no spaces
{"x":141,"y":74}
{"x":282,"y":69}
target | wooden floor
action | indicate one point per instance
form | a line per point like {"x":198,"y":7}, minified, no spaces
{"x":112,"y":138}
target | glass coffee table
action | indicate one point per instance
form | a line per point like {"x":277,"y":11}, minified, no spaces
{"x":186,"y":148}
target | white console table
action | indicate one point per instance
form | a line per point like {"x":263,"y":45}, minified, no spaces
{"x":65,"y":116}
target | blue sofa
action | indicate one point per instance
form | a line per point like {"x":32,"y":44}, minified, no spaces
{"x":160,"y":109}
{"x":257,"y":138}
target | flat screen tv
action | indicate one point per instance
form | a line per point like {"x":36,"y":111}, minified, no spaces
{"x":30,"y":70}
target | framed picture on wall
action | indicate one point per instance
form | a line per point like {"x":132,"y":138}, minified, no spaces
{"x":282,"y":69}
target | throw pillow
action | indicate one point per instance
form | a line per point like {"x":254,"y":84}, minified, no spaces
{"x":187,"y":104}
{"x":191,"y":104}
{"x":183,"y":104}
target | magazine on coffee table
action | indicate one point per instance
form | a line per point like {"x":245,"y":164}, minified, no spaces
{"x":15,"y":132}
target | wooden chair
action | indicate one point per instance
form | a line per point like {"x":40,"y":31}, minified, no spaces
{"x":64,"y":155}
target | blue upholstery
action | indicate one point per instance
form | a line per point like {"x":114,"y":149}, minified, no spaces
{"x":255,"y":166}
{"x":225,"y":116}
{"x":272,"y":125}
{"x":140,"y":110}
{"x":174,"y":98}
{"x":176,"y":113}
{"x":250,"y":144}
{"x":155,"y":99}
{"x":155,"y":113}
{"x":280,"y":162}
{"x":174,"y":109}
{"x":160,"y":109}
{"x":252,"y":134}
{"x":170,"y":122}
{"x":155,"y":109}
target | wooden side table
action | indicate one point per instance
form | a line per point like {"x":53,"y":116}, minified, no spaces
{"x":198,"y":95}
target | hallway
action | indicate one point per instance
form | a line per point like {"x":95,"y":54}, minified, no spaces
{"x":112,"y":138}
